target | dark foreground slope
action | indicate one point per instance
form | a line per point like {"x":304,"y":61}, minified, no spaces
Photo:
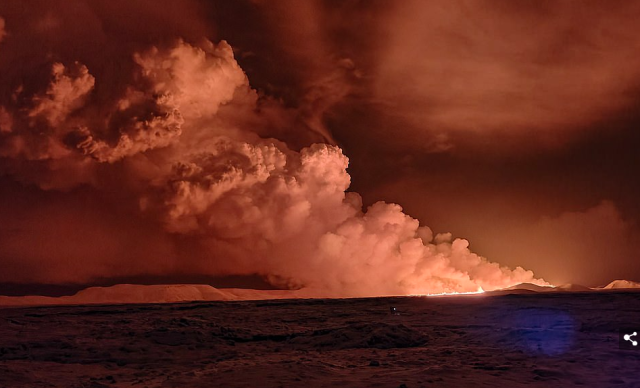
{"x":542,"y":340}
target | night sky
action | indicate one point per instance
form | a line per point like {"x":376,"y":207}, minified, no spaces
{"x":135,"y":145}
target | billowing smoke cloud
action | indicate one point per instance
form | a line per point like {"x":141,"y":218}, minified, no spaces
{"x":498,"y":66}
{"x":457,"y":72}
{"x":186,"y":150}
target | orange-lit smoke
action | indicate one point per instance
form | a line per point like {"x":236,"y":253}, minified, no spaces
{"x":455,"y":72}
{"x":188,"y":151}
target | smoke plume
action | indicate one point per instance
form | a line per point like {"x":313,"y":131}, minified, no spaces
{"x":172,"y":163}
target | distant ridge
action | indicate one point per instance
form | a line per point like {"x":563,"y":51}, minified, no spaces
{"x":621,"y":284}
{"x":161,"y":293}
{"x":570,"y":287}
{"x":174,"y":293}
{"x":529,"y":287}
{"x":573,"y":287}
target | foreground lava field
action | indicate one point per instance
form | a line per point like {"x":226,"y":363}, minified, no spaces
{"x":545,"y":340}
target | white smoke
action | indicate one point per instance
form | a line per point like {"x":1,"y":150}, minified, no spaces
{"x":187,"y":139}
{"x":65,"y":94}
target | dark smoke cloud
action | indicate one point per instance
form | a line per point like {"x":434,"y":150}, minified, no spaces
{"x":504,"y":67}
{"x":447,"y":74}
{"x":164,"y":160}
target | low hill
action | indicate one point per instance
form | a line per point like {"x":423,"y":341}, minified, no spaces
{"x":572,"y":288}
{"x":135,"y":293}
{"x":529,"y":287}
{"x":621,"y":284}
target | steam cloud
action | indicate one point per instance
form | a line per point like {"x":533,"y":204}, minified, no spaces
{"x":187,"y":150}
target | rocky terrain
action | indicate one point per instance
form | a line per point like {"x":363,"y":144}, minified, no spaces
{"x":561,"y":339}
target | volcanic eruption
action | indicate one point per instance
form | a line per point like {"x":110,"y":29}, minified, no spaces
{"x":165,"y":161}
{"x":188,"y":143}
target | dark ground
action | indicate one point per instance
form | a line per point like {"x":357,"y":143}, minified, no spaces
{"x":541,"y":340}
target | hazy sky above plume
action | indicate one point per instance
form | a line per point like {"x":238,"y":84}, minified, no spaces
{"x":135,"y":143}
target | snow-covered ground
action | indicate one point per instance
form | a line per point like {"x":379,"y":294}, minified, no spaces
{"x":550,"y":339}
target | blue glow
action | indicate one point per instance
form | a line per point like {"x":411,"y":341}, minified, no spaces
{"x":543,"y":331}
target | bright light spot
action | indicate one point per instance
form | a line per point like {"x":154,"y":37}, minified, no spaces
{"x":478,"y":291}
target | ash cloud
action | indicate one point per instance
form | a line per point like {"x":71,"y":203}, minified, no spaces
{"x":447,"y":75}
{"x":171,"y":163}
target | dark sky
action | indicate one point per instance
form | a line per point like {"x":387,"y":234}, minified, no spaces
{"x":513,"y":125}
